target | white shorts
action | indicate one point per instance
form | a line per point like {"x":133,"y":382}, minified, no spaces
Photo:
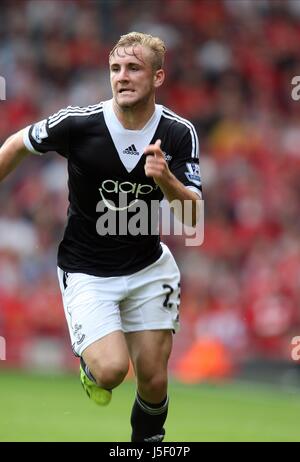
{"x":145,"y":300}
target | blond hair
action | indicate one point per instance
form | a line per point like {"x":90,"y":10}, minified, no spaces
{"x":154,"y":44}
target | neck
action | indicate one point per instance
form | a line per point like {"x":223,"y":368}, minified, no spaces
{"x":134,"y":118}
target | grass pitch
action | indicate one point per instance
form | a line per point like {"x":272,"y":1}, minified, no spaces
{"x":54,"y":408}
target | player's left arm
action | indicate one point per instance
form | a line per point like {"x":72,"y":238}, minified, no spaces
{"x":173,"y":189}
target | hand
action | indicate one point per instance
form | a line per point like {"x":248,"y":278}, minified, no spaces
{"x":156,"y":165}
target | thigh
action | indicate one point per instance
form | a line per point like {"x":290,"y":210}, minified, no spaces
{"x":109,"y":352}
{"x":149,"y":351}
{"x":91,"y":307}
{"x":153,"y":297}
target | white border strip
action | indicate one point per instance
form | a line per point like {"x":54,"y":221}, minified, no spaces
{"x":27,"y":141}
{"x":69,"y":114}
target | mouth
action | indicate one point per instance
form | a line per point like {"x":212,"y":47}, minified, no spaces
{"x":125,"y":91}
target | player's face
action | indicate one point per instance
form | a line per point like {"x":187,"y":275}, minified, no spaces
{"x":133,"y":79}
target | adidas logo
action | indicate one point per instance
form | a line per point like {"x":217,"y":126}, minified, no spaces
{"x":154,"y":439}
{"x":131,"y":150}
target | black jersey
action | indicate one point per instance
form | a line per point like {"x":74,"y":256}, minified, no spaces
{"x":105,"y":162}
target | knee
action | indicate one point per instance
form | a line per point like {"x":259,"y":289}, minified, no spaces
{"x":154,"y":385}
{"x":109,"y":375}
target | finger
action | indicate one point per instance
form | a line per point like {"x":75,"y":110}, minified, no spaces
{"x":151,"y":160}
{"x":153,"y":171}
{"x":154,"y":149}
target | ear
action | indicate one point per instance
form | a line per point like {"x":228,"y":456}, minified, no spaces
{"x":159,"y":78}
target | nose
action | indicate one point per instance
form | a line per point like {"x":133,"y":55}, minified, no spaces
{"x":123,"y":74}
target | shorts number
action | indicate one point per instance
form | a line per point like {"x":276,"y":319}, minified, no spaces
{"x":168,"y":304}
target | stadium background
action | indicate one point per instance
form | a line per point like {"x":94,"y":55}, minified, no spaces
{"x":229,"y":70}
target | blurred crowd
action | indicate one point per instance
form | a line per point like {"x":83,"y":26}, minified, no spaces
{"x":229,"y":69}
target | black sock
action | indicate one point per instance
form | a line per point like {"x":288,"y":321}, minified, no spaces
{"x":147,"y":419}
{"x":87,"y":370}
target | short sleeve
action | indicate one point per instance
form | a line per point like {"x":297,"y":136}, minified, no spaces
{"x":50,"y":134}
{"x":185,"y":164}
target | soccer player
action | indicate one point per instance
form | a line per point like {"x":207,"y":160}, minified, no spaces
{"x":120,"y":290}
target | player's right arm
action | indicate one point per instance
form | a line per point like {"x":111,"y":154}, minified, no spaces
{"x":50,"y":134}
{"x":12,"y":152}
